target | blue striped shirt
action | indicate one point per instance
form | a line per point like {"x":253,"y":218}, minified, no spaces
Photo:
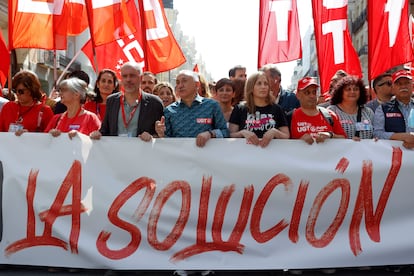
{"x":203,"y":115}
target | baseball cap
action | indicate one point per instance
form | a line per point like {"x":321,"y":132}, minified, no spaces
{"x":401,"y":74}
{"x":307,"y":81}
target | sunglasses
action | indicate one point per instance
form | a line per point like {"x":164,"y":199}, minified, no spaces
{"x":388,"y":83}
{"x":19,"y":91}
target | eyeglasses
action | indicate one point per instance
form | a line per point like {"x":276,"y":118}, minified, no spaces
{"x":19,"y":91}
{"x":388,"y":83}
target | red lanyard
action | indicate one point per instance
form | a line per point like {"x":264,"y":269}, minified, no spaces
{"x":68,"y":120}
{"x":20,"y":115}
{"x":131,"y":114}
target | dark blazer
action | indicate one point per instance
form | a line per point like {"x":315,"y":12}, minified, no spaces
{"x":150,"y":111}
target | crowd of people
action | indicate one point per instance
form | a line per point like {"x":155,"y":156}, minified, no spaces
{"x":253,"y":107}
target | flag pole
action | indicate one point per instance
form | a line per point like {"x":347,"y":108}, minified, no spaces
{"x":141,"y":13}
{"x":54,"y":67}
{"x":90,"y":21}
{"x":69,"y":64}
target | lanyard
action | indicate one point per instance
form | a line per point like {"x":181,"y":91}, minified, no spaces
{"x":69,"y":120}
{"x":20,"y":115}
{"x":98,"y":111}
{"x":131,"y":114}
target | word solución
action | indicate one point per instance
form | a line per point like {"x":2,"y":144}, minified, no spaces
{"x":249,"y":211}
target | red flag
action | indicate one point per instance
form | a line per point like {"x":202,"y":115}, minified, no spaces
{"x":333,"y":42}
{"x":87,"y":49}
{"x":112,"y":55}
{"x":157,"y":55}
{"x":5,"y":61}
{"x":389,"y":36}
{"x":44,"y":25}
{"x":195,"y":69}
{"x":412,"y":31}
{"x":109,"y":20}
{"x":279,"y":35}
{"x":162,"y":51}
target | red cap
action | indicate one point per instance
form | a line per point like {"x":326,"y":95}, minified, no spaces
{"x":401,"y":74}
{"x":306,"y":81}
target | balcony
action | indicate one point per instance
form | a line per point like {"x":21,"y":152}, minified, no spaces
{"x":64,"y":62}
{"x":47,"y":58}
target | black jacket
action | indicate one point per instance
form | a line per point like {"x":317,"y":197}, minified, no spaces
{"x":150,"y":111}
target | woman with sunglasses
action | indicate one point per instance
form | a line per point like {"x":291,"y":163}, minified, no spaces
{"x":28,"y":113}
{"x":348,"y":99}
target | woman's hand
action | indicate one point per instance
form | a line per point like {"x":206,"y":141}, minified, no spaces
{"x":72,"y":134}
{"x":20,"y":132}
{"x":95,"y":135}
{"x":251,"y":137}
{"x":55,"y":132}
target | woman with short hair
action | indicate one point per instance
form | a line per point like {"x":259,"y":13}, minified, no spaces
{"x":28,"y":113}
{"x":75,"y":119}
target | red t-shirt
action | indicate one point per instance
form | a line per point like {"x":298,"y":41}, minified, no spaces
{"x":302,"y":124}
{"x":33,"y":118}
{"x":85,"y":123}
{"x":97,"y":108}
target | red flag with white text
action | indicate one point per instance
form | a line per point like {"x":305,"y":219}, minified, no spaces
{"x":162,"y":52}
{"x":109,"y":20}
{"x":333,"y":41}
{"x":112,"y":55}
{"x":158,"y":55}
{"x":5,"y":61}
{"x":279,"y":34}
{"x":389,"y":35}
{"x":44,"y":24}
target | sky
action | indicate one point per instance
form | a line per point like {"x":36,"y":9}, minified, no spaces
{"x":226,"y":33}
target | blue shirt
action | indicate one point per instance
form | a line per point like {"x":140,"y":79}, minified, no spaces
{"x":203,"y":115}
{"x":379,"y":120}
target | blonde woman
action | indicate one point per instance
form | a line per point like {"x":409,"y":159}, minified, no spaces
{"x":165,"y":92}
{"x":259,"y":119}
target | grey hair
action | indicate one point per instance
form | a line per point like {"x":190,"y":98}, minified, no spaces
{"x":134,"y":65}
{"x":76,"y":86}
{"x":272,"y":68}
{"x":190,"y":73}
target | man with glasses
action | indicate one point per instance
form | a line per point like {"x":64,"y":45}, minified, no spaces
{"x":392,"y":120}
{"x":382,"y":88}
{"x":284,"y":98}
{"x":311,"y":123}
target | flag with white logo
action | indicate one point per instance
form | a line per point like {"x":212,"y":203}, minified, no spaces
{"x":389,"y":36}
{"x":333,"y":41}
{"x":45,"y":24}
{"x":279,"y":34}
{"x":153,"y":45}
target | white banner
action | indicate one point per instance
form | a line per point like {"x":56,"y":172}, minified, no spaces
{"x":125,"y":204}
